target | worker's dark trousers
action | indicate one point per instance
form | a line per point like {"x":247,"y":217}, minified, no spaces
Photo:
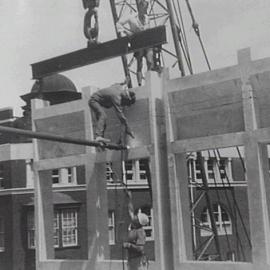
{"x":100,"y":116}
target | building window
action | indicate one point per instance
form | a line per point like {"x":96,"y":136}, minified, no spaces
{"x":2,"y":184}
{"x":64,"y":176}
{"x":56,"y":229}
{"x":111,"y":227}
{"x":2,"y":234}
{"x":149,"y":228}
{"x":69,"y":227}
{"x":109,"y":172}
{"x":29,"y":173}
{"x":65,"y":228}
{"x":219,"y":171}
{"x":55,"y":176}
{"x":72,"y":175}
{"x":222,"y":220}
{"x":31,"y":230}
{"x":136,"y":171}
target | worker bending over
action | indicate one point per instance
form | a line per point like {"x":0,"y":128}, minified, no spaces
{"x":133,"y":23}
{"x":116,"y":96}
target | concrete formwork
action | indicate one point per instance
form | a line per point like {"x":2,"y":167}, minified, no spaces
{"x":217,"y":109}
{"x":73,"y":119}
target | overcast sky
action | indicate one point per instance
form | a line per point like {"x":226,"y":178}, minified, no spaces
{"x":33,"y":30}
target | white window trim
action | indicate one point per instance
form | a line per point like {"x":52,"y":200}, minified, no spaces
{"x":135,"y":171}
{"x":216,"y":171}
{"x":2,"y":234}
{"x":31,"y":230}
{"x":219,"y":224}
{"x":56,"y":229}
{"x":111,"y":227}
{"x":63,"y":177}
{"x":73,"y":228}
{"x":58,"y":215}
{"x":109,"y":172}
{"x":29,"y":173}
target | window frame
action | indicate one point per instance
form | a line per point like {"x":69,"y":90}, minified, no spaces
{"x":219,"y":222}
{"x":111,"y":227}
{"x":2,"y":177}
{"x":58,"y":230}
{"x":216,"y":170}
{"x":64,"y":176}
{"x":135,"y":171}
{"x":2,"y":234}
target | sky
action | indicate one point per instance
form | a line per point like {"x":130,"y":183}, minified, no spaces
{"x":35,"y":30}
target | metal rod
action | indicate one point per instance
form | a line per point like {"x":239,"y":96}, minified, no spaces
{"x":208,"y":202}
{"x":59,"y":138}
{"x":175,"y":37}
{"x":123,"y":57}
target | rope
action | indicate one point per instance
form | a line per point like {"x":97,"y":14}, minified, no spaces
{"x":236,"y":204}
{"x":230,"y":206}
{"x":219,"y":202}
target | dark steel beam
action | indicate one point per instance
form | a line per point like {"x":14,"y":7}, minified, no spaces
{"x":103,"y":51}
{"x":59,"y":138}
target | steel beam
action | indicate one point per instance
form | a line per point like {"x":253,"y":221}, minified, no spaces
{"x":103,"y":51}
{"x":59,"y":138}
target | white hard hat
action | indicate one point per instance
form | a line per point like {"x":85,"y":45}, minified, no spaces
{"x":143,"y":219}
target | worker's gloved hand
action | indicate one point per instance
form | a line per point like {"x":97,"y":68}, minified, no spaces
{"x":130,"y":133}
{"x":126,"y":245}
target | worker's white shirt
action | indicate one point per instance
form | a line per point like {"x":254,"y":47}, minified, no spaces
{"x":130,"y":24}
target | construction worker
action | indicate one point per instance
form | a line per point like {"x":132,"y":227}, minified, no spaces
{"x":91,"y":31}
{"x":132,"y":23}
{"x":116,"y":96}
{"x":136,"y":239}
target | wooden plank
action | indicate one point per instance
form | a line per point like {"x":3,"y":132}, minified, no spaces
{"x":209,"y":142}
{"x":133,"y":153}
{"x":100,"y":52}
{"x":64,"y":162}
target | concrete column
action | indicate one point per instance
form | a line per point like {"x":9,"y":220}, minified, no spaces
{"x":159,"y":175}
{"x":96,"y":191}
{"x":43,"y":203}
{"x":256,"y":158}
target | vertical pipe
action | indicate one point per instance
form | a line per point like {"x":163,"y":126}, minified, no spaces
{"x":208,"y":202}
{"x":175,"y":37}
{"x":123,"y":57}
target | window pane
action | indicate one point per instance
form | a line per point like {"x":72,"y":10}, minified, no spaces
{"x":129,"y":170}
{"x":223,"y":221}
{"x":2,"y":235}
{"x":1,"y":176}
{"x":69,"y":227}
{"x":31,"y":229}
{"x":143,"y":163}
{"x":56,"y":229}
{"x":55,"y":176}
{"x":111,"y":227}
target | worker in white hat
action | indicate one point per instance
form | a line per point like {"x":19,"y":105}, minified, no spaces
{"x":136,"y":239}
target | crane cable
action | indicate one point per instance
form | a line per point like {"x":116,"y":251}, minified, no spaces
{"x":195,"y":26}
{"x":227,"y":198}
{"x":182,"y":36}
